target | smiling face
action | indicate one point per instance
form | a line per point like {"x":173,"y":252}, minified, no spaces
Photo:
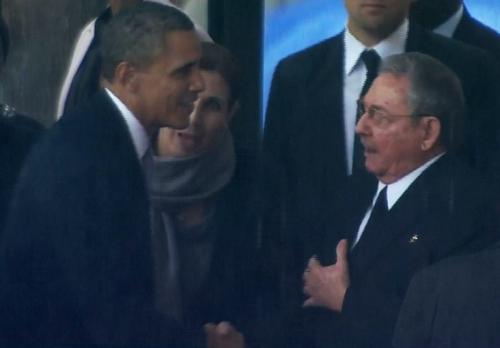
{"x":393,"y":144}
{"x":210,"y":116}
{"x":376,"y":19}
{"x":165,"y":91}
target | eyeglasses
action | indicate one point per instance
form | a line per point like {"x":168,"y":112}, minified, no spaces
{"x":378,"y":117}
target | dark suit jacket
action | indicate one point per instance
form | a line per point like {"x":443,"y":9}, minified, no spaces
{"x":17,"y":133}
{"x":475,"y":33}
{"x":304,"y":154}
{"x":76,"y":258}
{"x":455,"y":303}
{"x":445,"y":211}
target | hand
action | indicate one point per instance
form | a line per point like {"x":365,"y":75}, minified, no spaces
{"x":326,"y":286}
{"x":223,"y":335}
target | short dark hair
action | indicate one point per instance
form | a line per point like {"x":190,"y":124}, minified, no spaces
{"x":434,"y":90}
{"x":137,"y":35}
{"x":218,"y":59}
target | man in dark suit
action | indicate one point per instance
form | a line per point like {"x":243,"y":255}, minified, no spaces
{"x":309,"y":142}
{"x":452,"y":19}
{"x":76,"y":260}
{"x":455,"y":303}
{"x":427,"y":206}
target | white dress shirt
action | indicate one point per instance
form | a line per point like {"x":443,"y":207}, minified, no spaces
{"x":137,"y":132}
{"x":394,"y":192}
{"x":448,"y":28}
{"x":355,"y":75}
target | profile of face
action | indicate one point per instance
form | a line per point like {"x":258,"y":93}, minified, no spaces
{"x":394,"y":142}
{"x":379,"y":17}
{"x":209,"y":118}
{"x":166,"y":90}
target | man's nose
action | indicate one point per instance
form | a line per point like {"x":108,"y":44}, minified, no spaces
{"x":361,"y":125}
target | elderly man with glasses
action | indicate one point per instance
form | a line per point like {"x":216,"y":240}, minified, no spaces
{"x":427,"y":206}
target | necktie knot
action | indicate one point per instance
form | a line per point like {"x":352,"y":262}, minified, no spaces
{"x":371,"y":59}
{"x":381,"y":202}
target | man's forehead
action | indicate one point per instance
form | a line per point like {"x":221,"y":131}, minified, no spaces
{"x":388,"y":89}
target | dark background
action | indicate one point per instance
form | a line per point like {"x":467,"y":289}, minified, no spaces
{"x":42,"y":34}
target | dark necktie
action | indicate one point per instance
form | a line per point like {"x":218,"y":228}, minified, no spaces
{"x":376,"y":223}
{"x":371,"y":59}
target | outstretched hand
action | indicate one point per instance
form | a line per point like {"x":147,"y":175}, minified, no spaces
{"x":326,"y":286}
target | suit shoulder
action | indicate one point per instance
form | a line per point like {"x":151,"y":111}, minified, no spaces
{"x":311,"y":56}
{"x":482,"y":36}
{"x":439,"y":46}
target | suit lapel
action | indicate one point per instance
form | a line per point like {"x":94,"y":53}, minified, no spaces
{"x":404,"y":218}
{"x":328,"y":120}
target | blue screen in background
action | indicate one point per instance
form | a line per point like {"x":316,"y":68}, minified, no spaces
{"x":292,"y":27}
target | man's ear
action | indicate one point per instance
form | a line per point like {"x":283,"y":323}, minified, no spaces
{"x":126,"y":76}
{"x":431,"y":131}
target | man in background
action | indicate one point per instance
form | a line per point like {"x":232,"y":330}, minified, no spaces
{"x":454,"y":303}
{"x":451,"y":18}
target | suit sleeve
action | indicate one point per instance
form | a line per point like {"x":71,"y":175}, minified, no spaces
{"x":63,"y":262}
{"x":414,"y":325}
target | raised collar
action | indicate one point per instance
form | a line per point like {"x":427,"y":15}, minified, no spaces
{"x":450,"y":25}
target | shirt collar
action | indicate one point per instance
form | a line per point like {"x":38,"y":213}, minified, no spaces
{"x":139,"y":135}
{"x":393,"y":44}
{"x":448,"y":28}
{"x":396,"y":189}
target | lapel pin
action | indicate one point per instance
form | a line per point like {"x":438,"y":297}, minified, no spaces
{"x":413,"y":238}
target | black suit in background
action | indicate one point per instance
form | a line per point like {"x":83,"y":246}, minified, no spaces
{"x":304,"y":162}
{"x":455,"y":303}
{"x":76,"y":256}
{"x":475,"y":33}
{"x":17,"y":135}
{"x":445,"y":211}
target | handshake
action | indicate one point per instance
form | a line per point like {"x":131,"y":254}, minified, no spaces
{"x":223,"y":335}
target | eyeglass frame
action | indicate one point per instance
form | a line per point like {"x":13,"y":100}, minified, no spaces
{"x":386,"y":116}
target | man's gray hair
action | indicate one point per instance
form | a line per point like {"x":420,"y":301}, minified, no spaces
{"x":435,"y":90}
{"x":138,"y":35}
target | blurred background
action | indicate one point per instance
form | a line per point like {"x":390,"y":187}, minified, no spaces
{"x":259,"y":32}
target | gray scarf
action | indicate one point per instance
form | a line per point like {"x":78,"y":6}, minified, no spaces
{"x":174,"y":182}
{"x":178,"y":180}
